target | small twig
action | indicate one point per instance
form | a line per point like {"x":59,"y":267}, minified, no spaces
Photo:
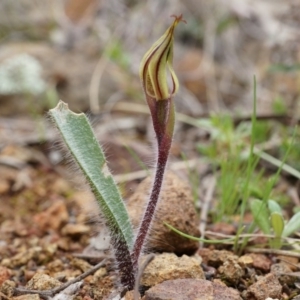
{"x":12,"y":162}
{"x":285,"y":119}
{"x":247,"y":235}
{"x":295,"y":274}
{"x":140,"y":108}
{"x":139,"y":275}
{"x":209,"y":234}
{"x":52,"y":292}
{"x":91,"y":256}
{"x":274,"y":251}
{"x":288,"y":262}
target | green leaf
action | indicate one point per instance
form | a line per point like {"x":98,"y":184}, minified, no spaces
{"x":78,"y":135}
{"x":261,"y":215}
{"x":293,"y":225}
{"x":278,"y":226}
{"x":274,"y":206}
{"x":277,"y":223}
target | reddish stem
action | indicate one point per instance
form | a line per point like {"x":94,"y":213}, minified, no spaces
{"x":126,"y":268}
{"x":163,"y":122}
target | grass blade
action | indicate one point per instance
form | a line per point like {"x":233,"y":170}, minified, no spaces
{"x":230,"y":240}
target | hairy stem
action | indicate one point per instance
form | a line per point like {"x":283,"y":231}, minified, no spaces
{"x":126,"y":268}
{"x":163,"y":115}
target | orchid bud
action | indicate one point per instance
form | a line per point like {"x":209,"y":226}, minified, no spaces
{"x":156,"y":62}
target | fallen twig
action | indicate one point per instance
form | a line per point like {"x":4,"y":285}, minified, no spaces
{"x":52,"y":292}
{"x":139,"y":275}
{"x":95,"y":257}
{"x":274,"y":251}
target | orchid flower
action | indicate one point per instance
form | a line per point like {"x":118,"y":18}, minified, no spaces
{"x":154,"y":68}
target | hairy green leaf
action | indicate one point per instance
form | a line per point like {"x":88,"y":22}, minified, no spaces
{"x":78,"y":135}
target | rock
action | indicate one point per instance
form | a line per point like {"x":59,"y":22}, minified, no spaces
{"x":42,"y":282}
{"x":102,"y":289}
{"x":222,"y":292}
{"x":64,"y":243}
{"x":75,"y":229}
{"x":245,"y":261}
{"x":8,"y":288}
{"x":176,"y":207}
{"x":261,"y":262}
{"x":191,"y":289}
{"x":267,"y":286}
{"x":130,"y":296}
{"x":27,"y":297}
{"x":290,"y":261}
{"x":61,"y":186}
{"x":167,"y":266}
{"x":52,"y":218}
{"x":50,"y":249}
{"x":67,"y":274}
{"x":81,"y":264}
{"x":215,"y":258}
{"x":22,"y":258}
{"x":5,"y":274}
{"x":281,"y":268}
{"x":231,"y":271}
{"x":99,"y":274}
{"x":4,"y":186}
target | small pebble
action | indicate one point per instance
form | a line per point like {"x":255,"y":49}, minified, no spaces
{"x":261,"y":262}
{"x":168,"y":266}
{"x":75,"y":229}
{"x":231,"y":271}
{"x":266,"y":286}
{"x":176,"y":207}
{"x":42,"y":282}
{"x":180,"y":289}
{"x":5,"y":274}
